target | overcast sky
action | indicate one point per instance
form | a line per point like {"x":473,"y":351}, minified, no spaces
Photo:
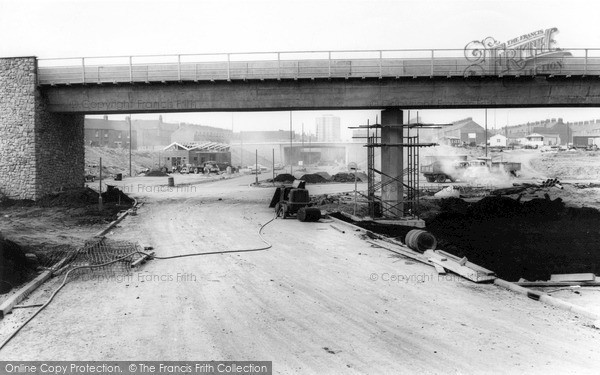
{"x":75,"y":28}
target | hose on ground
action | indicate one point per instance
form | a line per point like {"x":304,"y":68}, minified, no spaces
{"x":64,"y":282}
{"x":268,"y":246}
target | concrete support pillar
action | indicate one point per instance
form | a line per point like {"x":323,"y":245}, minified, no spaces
{"x":40,"y":152}
{"x":392,"y":160}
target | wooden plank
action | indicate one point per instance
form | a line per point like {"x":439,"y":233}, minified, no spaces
{"x":22,"y":293}
{"x":397,"y":249}
{"x":471,"y":265}
{"x":457,"y":268}
{"x":556,"y":283}
{"x":573,"y":277}
{"x":439,"y":269}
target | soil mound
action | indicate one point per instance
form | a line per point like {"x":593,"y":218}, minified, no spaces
{"x":313,"y":178}
{"x":13,"y":265}
{"x":69,"y":198}
{"x":284,"y":177}
{"x":325,"y":175}
{"x":156,"y":173}
{"x":529,"y":240}
{"x":113,"y":194}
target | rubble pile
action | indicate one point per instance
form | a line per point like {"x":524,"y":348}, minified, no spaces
{"x":345,"y":177}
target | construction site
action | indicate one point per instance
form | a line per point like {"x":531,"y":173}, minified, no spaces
{"x":282,"y":187}
{"x":492,"y":268}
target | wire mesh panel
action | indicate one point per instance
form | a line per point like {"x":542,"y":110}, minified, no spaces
{"x":99,"y":257}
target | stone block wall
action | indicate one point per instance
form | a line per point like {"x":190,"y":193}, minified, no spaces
{"x":40,"y":152}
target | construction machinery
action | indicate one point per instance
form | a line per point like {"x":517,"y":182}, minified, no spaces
{"x":294,"y":201}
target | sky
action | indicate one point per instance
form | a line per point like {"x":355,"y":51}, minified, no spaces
{"x":87,"y":28}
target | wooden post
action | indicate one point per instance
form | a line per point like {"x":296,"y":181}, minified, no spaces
{"x":256,"y":166}
{"x":100,"y":187}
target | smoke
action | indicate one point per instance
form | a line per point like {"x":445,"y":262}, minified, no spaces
{"x":461,"y":164}
{"x":485,"y":176}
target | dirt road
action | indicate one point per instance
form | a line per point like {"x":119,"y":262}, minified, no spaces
{"x":319,"y":301}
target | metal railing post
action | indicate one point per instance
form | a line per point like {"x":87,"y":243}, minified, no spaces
{"x":83,"y":70}
{"x":130,"y":69}
{"x":431,"y":74}
{"x":329,"y":63}
{"x":228,"y":67}
{"x":179,"y":67}
{"x":585,"y":62}
{"x":380,"y":64}
{"x":278,"y":65}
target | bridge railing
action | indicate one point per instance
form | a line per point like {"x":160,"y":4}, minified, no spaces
{"x":318,"y":65}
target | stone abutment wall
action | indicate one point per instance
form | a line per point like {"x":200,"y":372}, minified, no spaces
{"x":40,"y":152}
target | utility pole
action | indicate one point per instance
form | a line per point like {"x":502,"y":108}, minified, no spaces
{"x":100,"y":187}
{"x":130,"y":141}
{"x":302,"y":148}
{"x":256,"y":166}
{"x":291,"y":146}
{"x":486,"y":134}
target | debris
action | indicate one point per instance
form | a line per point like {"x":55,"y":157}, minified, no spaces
{"x":345,"y":177}
{"x":471,"y":273}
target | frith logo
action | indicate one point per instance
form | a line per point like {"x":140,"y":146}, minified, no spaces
{"x":531,"y":53}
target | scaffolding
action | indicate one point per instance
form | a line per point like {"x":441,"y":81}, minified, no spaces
{"x":408,"y":205}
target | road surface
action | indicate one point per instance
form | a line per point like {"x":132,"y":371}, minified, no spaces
{"x":319,"y":301}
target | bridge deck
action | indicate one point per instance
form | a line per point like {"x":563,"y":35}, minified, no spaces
{"x":312,"y":65}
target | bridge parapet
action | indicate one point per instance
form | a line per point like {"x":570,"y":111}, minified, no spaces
{"x":320,"y":65}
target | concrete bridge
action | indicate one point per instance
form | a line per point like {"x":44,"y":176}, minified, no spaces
{"x":43,"y":102}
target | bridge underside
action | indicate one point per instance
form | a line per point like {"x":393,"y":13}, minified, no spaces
{"x":41,"y":127}
{"x":326,"y":94}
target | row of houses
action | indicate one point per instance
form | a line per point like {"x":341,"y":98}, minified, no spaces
{"x":549,"y":132}
{"x":148,"y":134}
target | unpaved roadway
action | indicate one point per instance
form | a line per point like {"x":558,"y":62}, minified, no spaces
{"x":319,"y":301}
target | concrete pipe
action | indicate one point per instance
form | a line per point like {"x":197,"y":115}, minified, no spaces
{"x":420,"y":240}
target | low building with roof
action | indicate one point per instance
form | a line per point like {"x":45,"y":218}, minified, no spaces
{"x":196,"y":154}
